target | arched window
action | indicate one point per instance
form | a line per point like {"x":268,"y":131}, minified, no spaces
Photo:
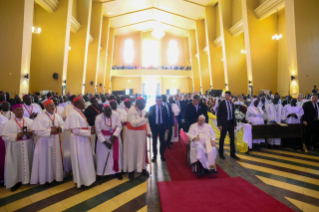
{"x":172,"y":52}
{"x":128,"y":51}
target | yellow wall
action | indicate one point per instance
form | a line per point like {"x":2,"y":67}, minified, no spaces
{"x":50,"y":48}
{"x":236,"y":12}
{"x":74,"y":10}
{"x":217,"y":22}
{"x":194,"y":61}
{"x":180,"y":83}
{"x":283,"y":78}
{"x":307,"y":36}
{"x":122,"y":83}
{"x":15,"y":45}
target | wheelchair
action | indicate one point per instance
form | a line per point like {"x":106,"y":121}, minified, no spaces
{"x":195,"y":166}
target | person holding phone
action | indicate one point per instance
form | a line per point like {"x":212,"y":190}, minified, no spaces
{"x":48,"y":127}
{"x":19,"y":139}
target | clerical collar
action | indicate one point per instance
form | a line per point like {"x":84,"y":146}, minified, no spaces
{"x":19,"y":119}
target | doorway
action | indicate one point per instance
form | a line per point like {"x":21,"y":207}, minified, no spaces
{"x":150,"y":91}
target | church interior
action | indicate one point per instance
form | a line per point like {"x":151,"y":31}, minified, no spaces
{"x":154,"y":47}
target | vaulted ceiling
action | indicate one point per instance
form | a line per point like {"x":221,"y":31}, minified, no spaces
{"x":175,"y":16}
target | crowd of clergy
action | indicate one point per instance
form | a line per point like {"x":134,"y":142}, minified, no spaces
{"x":45,"y":138}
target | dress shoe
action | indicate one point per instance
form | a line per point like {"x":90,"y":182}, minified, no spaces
{"x":46,"y":185}
{"x":208,"y":171}
{"x":235,"y":157}
{"x":163,"y":159}
{"x":169,"y":146}
{"x":154,"y":159}
{"x":171,"y":143}
{"x":222,"y":157}
{"x":145,"y":173}
{"x":16,"y":187}
{"x":119,"y":176}
{"x":131,"y":175}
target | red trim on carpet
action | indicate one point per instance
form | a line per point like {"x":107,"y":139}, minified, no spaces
{"x":223,"y":194}
{"x":177,"y":164}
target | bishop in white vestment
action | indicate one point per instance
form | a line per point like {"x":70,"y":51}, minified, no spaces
{"x":81,"y":146}
{"x":19,"y":149}
{"x":135,"y":140}
{"x":109,"y":146}
{"x":48,"y":155}
{"x":31,"y":110}
{"x":203,"y":148}
{"x":5,"y":111}
{"x":254,"y":115}
{"x":123,"y":115}
{"x":293,"y":112}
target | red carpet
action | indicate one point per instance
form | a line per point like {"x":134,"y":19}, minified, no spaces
{"x":223,"y":194}
{"x":177,"y":164}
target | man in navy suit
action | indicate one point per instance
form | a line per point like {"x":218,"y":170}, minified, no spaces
{"x":226,"y":122}
{"x":193,"y":110}
{"x":159,"y":123}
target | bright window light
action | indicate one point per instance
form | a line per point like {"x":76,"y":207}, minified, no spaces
{"x":128,"y":51}
{"x":127,"y":91}
{"x":173,"y":91}
{"x":172,"y":52}
{"x":150,"y":53}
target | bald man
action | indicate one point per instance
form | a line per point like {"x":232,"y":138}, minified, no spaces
{"x":203,"y":148}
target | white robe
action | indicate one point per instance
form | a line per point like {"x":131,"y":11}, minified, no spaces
{"x":202,"y":150}
{"x":254,"y":115}
{"x":301,"y":102}
{"x":290,"y":110}
{"x":9,"y":114}
{"x":33,"y":108}
{"x":3,"y":120}
{"x":58,"y":110}
{"x":19,"y":154}
{"x":102,"y":151}
{"x":81,"y":148}
{"x":123,"y":118}
{"x":47,"y":161}
{"x":67,"y":110}
{"x":135,"y":146}
{"x":275,"y":113}
{"x":175,"y":134}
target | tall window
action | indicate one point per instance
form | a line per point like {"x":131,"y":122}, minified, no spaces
{"x":172,"y":52}
{"x":150,"y":53}
{"x":128,"y":51}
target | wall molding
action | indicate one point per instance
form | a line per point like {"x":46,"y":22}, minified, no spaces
{"x":91,"y":39}
{"x":75,"y":25}
{"x":268,"y":8}
{"x":49,"y":5}
{"x":237,"y":29}
{"x":218,"y":41}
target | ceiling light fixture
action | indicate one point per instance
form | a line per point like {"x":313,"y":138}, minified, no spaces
{"x":158,"y":33}
{"x":277,"y":36}
{"x":35,"y":29}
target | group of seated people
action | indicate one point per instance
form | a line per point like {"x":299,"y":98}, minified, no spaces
{"x":107,"y":134}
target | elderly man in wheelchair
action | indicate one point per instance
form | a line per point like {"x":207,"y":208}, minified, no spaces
{"x":201,"y":146}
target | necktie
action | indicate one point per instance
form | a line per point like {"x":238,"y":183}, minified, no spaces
{"x":316,"y":112}
{"x":229,"y":111}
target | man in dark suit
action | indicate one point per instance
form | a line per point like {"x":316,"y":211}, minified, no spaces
{"x":170,"y":117}
{"x":159,"y":123}
{"x":226,"y":122}
{"x":311,"y":120}
{"x":193,"y":110}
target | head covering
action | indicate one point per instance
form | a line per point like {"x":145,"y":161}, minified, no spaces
{"x":112,"y":100}
{"x":24,"y":95}
{"x":49,"y":101}
{"x":106,"y":105}
{"x":126,"y":100}
{"x":252,"y":102}
{"x":76,"y":99}
{"x":51,"y":97}
{"x":139,"y":98}
{"x":92,"y":97}
{"x":16,"y":106}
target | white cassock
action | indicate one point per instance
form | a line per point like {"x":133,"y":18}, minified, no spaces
{"x":48,"y":155}
{"x":275,"y":113}
{"x":122,"y":105}
{"x":63,"y":105}
{"x":33,"y":108}
{"x":123,"y":118}
{"x":175,"y":134}
{"x":67,"y":110}
{"x":301,"y":102}
{"x":3,"y":120}
{"x":135,"y":141}
{"x":291,"y":110}
{"x":254,"y":115}
{"x":265,"y":116}
{"x":9,"y":114}
{"x":58,"y":110}
{"x":202,"y":150}
{"x":19,"y":153}
{"x":81,"y":148}
{"x":106,"y":127}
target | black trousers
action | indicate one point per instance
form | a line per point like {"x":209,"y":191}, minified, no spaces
{"x":230,"y":129}
{"x":311,"y":134}
{"x":158,"y":130}
{"x":169,"y":135}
